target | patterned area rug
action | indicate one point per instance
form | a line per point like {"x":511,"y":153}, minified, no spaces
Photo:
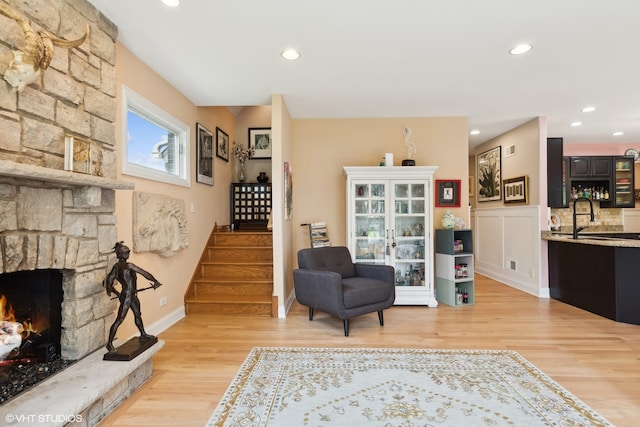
{"x":395,"y":387}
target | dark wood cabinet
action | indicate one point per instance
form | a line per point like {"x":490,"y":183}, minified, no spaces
{"x":590,"y":167}
{"x":599,"y":279}
{"x":623,"y":182}
{"x":250,"y":205}
{"x":557,"y":194}
{"x":570,"y":175}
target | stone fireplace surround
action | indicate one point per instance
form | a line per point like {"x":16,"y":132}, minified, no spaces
{"x":53,"y":219}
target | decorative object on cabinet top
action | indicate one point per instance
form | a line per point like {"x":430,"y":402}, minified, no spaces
{"x":262,"y":178}
{"x":411,"y":148}
{"x":632,"y":152}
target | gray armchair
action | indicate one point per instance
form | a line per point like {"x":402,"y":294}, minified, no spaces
{"x":328,"y":280}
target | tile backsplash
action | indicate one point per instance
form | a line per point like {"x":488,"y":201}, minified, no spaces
{"x":607,"y":219}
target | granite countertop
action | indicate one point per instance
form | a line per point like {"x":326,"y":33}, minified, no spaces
{"x":593,"y":238}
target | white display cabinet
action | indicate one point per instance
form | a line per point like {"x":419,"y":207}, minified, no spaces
{"x":390,"y":221}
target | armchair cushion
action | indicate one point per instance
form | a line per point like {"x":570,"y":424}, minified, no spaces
{"x":359,"y":291}
{"x":335,"y":258}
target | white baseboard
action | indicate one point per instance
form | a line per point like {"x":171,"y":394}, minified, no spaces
{"x":167,"y":321}
{"x":282,"y":311}
{"x":159,"y":326}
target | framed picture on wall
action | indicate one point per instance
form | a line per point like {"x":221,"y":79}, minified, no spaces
{"x":222,"y":144}
{"x":488,"y":165}
{"x":515,"y":190}
{"x":204,"y":155}
{"x":260,"y":140}
{"x":448,"y":193}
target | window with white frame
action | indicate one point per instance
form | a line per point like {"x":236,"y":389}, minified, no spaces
{"x":156,"y":144}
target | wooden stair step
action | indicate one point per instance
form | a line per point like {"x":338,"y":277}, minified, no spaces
{"x":239,"y":238}
{"x":247,"y":254}
{"x":232,"y":299}
{"x":228,"y":307}
{"x":236,"y":271}
{"x":211,"y":287}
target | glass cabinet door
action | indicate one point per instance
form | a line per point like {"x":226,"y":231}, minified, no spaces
{"x":370,"y":212}
{"x":623,"y":181}
{"x":408,"y":233}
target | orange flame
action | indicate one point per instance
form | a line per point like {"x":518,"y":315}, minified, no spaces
{"x":7,"y":314}
{"x":6,"y":311}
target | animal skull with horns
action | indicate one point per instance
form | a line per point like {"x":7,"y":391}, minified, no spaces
{"x":28,"y":65}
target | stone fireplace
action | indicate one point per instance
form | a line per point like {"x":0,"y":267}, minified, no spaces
{"x":64,"y":221}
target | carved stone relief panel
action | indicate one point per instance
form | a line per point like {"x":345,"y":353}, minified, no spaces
{"x":159,"y":224}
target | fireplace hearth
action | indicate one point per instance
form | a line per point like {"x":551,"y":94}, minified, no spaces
{"x":18,"y":377}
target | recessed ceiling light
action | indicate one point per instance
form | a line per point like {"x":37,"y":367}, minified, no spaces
{"x":474,"y":132}
{"x":290,"y":54}
{"x":520,"y":49}
{"x":171,"y":3}
{"x":588,"y":109}
{"x":575,"y":124}
{"x":619,"y":133}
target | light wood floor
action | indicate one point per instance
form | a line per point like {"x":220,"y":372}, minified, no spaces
{"x":594,"y":358}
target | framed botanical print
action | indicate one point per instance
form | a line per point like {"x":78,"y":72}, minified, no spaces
{"x":488,"y":167}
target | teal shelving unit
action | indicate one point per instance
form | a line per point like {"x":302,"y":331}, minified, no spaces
{"x":454,"y":267}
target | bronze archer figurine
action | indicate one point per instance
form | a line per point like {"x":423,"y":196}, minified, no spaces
{"x":125,"y":273}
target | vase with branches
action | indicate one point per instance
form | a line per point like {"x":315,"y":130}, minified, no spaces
{"x":242,"y":154}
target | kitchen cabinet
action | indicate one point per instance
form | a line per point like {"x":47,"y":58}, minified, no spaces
{"x":390,"y":221}
{"x":590,"y":167}
{"x":557,"y":167}
{"x":623,"y":182}
{"x":454,"y":267}
{"x":597,"y":278}
{"x":613,"y":177}
{"x":608,"y":180}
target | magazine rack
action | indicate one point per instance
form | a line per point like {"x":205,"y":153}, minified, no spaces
{"x":318,"y":235}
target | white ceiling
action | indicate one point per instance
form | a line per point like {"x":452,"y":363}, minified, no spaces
{"x":403,"y":58}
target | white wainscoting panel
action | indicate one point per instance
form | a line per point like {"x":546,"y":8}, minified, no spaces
{"x":507,"y":247}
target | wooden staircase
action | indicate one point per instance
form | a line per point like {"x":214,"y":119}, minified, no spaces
{"x":234,"y":276}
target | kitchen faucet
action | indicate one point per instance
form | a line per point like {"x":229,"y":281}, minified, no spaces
{"x":576,"y":230}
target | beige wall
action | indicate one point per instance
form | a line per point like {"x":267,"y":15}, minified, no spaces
{"x":282,"y":228}
{"x":252,"y":117}
{"x":322,"y":147}
{"x":211,"y":202}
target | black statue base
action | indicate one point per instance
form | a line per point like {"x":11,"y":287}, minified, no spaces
{"x":131,"y":349}
{"x":408,"y":162}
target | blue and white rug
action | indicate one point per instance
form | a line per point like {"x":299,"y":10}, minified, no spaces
{"x":395,"y":387}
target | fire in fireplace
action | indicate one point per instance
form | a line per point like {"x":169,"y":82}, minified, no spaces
{"x":30,"y":329}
